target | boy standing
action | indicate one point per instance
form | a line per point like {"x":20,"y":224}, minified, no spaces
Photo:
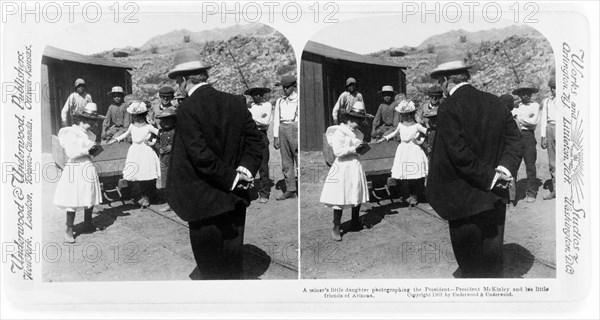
{"x":527,"y":114}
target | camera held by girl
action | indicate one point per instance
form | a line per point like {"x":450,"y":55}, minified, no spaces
{"x":346,"y":183}
{"x":79,"y":186}
{"x":142,"y":167}
{"x":410,"y":162}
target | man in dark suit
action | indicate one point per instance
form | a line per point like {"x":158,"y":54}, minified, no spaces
{"x":216,"y":151}
{"x":477,"y":151}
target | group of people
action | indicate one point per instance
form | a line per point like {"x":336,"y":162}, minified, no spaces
{"x":467,"y":144}
{"x":203,"y":147}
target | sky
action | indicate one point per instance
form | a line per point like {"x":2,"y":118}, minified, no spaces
{"x":86,"y":38}
{"x":367,"y":35}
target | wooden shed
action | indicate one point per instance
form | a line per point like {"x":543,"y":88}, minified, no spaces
{"x":323,"y":73}
{"x":60,"y":69}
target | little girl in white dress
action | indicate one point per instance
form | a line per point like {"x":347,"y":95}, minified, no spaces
{"x":79,"y":186}
{"x":142,"y":166}
{"x":410,"y":162}
{"x":346,"y":183}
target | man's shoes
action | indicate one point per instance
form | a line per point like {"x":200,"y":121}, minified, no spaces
{"x":263,"y":200}
{"x":286,"y":195}
{"x":550,"y":196}
{"x":530,"y":199}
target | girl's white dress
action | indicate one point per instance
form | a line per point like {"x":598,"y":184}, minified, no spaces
{"x":410,"y":161}
{"x":346,"y":182}
{"x":78,"y":186}
{"x":142,"y":163}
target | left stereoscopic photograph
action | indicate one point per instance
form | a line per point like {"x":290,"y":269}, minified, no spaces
{"x":171,"y":162}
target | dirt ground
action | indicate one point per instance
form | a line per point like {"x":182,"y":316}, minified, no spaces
{"x":407,"y":242}
{"x":146,"y":244}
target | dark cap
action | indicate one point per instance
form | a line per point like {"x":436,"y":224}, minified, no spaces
{"x":166,"y":91}
{"x":286,"y":81}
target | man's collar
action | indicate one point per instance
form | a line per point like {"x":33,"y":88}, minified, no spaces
{"x":456,"y":87}
{"x":196,"y":87}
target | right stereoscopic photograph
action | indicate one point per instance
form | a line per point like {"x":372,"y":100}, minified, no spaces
{"x":427,"y":151}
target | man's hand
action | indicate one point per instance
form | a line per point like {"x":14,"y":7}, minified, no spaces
{"x":276,"y":144}
{"x":504,"y":181}
{"x":244,"y":182}
{"x":544,"y":143}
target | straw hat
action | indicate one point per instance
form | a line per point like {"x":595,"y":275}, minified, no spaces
{"x":387,"y":88}
{"x":286,"y":81}
{"x":450,"y":62}
{"x":406,"y":106}
{"x":137,"y":107}
{"x":525,"y":87}
{"x":90,"y":111}
{"x":116,"y":90}
{"x":187,"y":62}
{"x":358,"y":110}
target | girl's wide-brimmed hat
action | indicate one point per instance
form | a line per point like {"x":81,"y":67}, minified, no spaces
{"x":90,"y":111}
{"x":387,"y":88}
{"x":257,"y":90}
{"x":449,"y":62}
{"x":137,"y":107}
{"x":187,"y":62}
{"x":525,"y":87}
{"x":358,"y":110}
{"x":406,"y":106}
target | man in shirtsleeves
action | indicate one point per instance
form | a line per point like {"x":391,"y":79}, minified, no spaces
{"x":262,"y":113}
{"x":76,"y":102}
{"x":527,"y":114}
{"x":346,"y":99}
{"x":285,"y":132}
{"x":549,"y":111}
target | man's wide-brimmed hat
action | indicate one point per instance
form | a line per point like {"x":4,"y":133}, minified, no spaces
{"x":286,"y":81}
{"x":387,"y":88}
{"x":525,"y":87}
{"x":187,"y":62}
{"x":350,"y":81}
{"x":406,"y":106}
{"x":167,"y":112}
{"x":257,"y":90}
{"x":435,"y":90}
{"x":90,"y":111}
{"x":357,"y":110}
{"x":137,"y":107}
{"x":166,"y":91}
{"x":79,"y":82}
{"x":116,"y":90}
{"x":449,"y":62}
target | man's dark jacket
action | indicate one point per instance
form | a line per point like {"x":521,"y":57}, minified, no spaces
{"x":476,"y":133}
{"x":214,"y":135}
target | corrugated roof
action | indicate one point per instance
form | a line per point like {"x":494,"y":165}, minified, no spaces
{"x":334,"y":53}
{"x":60,"y":54}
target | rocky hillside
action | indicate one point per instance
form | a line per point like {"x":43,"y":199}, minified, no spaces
{"x":530,"y":54}
{"x":264,"y":56}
